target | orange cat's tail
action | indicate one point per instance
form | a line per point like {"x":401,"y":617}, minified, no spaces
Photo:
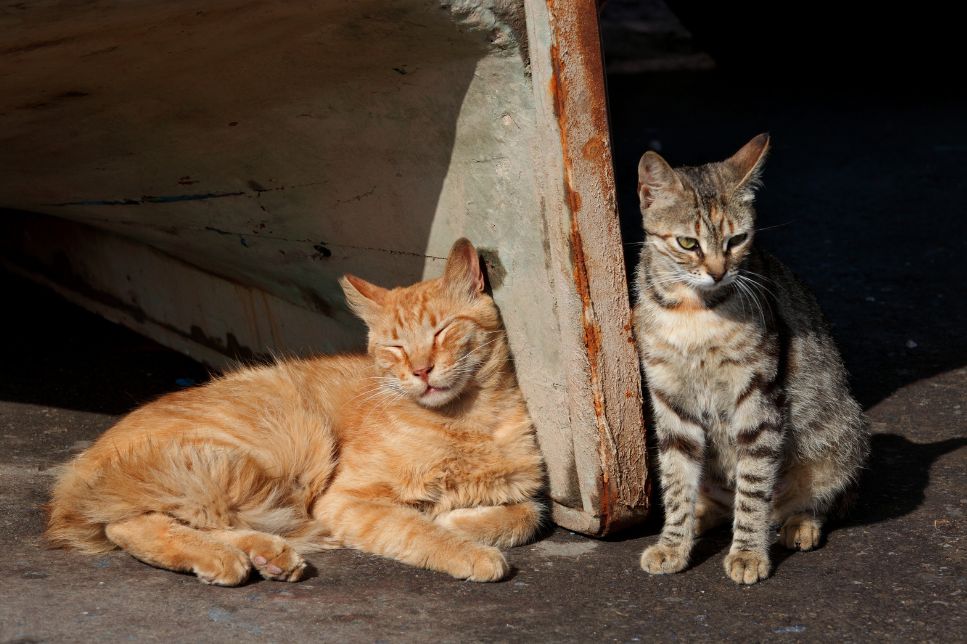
{"x":204,"y":486}
{"x":67,"y":529}
{"x":67,"y":525}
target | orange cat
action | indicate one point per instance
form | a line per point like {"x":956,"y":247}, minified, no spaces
{"x":421,"y":451}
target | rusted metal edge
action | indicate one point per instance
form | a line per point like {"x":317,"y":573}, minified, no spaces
{"x":576,"y":63}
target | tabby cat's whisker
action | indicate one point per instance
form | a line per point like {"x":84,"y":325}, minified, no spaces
{"x":755,"y":277}
{"x":786,"y":223}
{"x":759,"y":289}
{"x":755,"y":300}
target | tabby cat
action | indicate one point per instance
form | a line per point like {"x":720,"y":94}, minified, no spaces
{"x":753,"y":412}
{"x":421,"y":451}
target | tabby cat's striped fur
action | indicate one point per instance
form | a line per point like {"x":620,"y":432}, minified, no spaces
{"x":753,"y":411}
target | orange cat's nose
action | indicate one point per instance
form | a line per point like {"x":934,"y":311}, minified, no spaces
{"x":424,"y":373}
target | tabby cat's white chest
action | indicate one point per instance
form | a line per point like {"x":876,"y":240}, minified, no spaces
{"x":690,"y":331}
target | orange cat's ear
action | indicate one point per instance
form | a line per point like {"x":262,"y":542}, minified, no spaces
{"x":462,"y":273}
{"x":746,"y":165}
{"x":655,"y":179}
{"x":364,"y":299}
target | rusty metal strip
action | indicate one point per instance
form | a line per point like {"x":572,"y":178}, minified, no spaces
{"x":577,"y":89}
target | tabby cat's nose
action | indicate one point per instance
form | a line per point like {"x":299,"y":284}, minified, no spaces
{"x":424,"y":373}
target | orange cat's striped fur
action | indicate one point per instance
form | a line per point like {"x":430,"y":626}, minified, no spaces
{"x":421,"y":451}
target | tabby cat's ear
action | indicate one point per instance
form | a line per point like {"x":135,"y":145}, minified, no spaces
{"x":462,"y":274}
{"x":656,"y":179}
{"x":746,"y":166}
{"x":364,"y":299}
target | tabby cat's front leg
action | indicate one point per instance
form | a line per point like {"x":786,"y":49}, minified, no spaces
{"x":757,"y":430}
{"x":681,"y":442}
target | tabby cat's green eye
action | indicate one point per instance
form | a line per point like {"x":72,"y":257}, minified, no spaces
{"x":688,"y":243}
{"x":737,"y":239}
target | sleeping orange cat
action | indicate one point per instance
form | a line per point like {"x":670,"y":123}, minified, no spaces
{"x":421,"y":451}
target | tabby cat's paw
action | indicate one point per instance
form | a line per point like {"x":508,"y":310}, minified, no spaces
{"x":662,"y":560}
{"x":746,"y":567}
{"x":223,"y":567}
{"x":488,"y":564}
{"x":801,"y":532}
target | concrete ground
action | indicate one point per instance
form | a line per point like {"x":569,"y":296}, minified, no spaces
{"x":867,"y":195}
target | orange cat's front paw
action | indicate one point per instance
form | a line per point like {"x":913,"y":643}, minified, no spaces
{"x":747,"y":567}
{"x":223,"y":567}
{"x":488,"y":564}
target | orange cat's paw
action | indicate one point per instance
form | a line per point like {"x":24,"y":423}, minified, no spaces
{"x":488,"y":564}
{"x":276,"y":560}
{"x":801,"y":532}
{"x":747,"y":567}
{"x":663,"y":560}
{"x":271,"y":555}
{"x":223,"y":567}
